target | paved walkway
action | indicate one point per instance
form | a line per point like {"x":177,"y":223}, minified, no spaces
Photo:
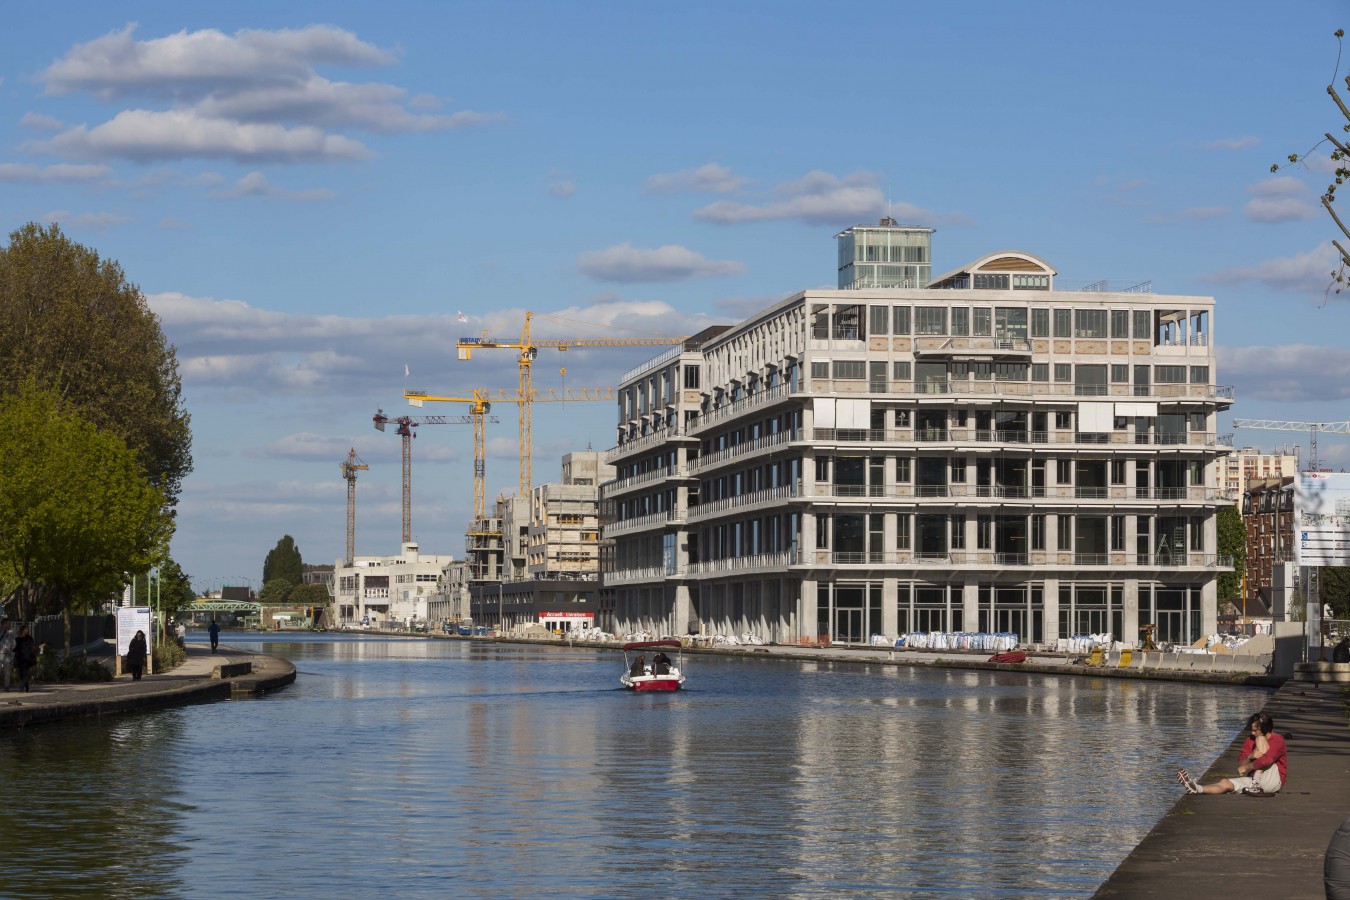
{"x":1230,"y":846}
{"x":194,"y":681}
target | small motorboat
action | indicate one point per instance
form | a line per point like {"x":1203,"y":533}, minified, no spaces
{"x":659,"y":673}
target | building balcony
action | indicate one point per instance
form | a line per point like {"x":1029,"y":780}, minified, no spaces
{"x":645,"y":442}
{"x":622,"y":485}
{"x":995,"y":347}
{"x":643,"y":523}
{"x":1039,"y":390}
{"x":1056,"y":493}
{"x":745,"y":502}
{"x":747,"y":448}
{"x":957,"y":436}
{"x":621,"y":577}
{"x":775,"y":394}
{"x":989,"y":559}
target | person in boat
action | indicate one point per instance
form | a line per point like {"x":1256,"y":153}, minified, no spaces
{"x":1263,"y":765}
{"x":639,"y":667}
{"x":660,"y":664}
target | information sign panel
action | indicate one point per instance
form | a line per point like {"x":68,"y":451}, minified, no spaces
{"x":131,"y":619}
{"x":1322,"y":519}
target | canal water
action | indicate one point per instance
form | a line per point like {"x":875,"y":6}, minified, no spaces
{"x":424,"y":768}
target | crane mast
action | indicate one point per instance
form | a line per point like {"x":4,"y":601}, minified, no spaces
{"x":350,"y":466}
{"x":527,"y":351}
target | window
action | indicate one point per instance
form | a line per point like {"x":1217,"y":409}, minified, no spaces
{"x":1142,"y":324}
{"x":958,"y":540}
{"x":1197,"y":421}
{"x":850,"y":369}
{"x":1063,"y":419}
{"x":1089,"y":323}
{"x":1031,"y":282}
{"x":1038,"y":532}
{"x":1064,"y":471}
{"x":1040,"y":371}
{"x":1169,"y":374}
{"x":900,"y":370}
{"x":991,"y":282}
{"x":820,"y":369}
{"x":1120,"y":374}
{"x":822,"y":469}
{"x":1063,"y":372}
{"x":1120,"y":323}
{"x":878,"y":319}
{"x":1064,"y":532}
{"x":1118,"y":474}
{"x":822,"y":532}
{"x":1010,"y":371}
{"x":1117,"y":532}
{"x":983,"y":371}
{"x":1063,"y":323}
{"x":984,"y":532}
{"x":983,"y":323}
{"x":902,"y":532}
{"x":900,"y":320}
{"x":958,"y":471}
{"x":1197,"y":534}
{"x":1199,"y":374}
{"x":960,"y":320}
{"x":902,"y":418}
{"x":1040,"y":323}
{"x":691,"y":377}
{"x":931,"y":319}
{"x":902,"y":470}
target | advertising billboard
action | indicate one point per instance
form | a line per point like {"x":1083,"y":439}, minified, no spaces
{"x":1322,"y":519}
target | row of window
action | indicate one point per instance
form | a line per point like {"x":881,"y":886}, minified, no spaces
{"x":1011,"y":322}
{"x":941,"y":372}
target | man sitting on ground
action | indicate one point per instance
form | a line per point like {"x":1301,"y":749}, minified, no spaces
{"x":1262,"y":763}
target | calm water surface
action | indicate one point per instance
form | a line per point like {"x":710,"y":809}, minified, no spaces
{"x":415,"y":768}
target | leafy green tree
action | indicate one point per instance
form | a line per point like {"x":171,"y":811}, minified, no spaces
{"x":174,"y":591}
{"x":1232,"y":541}
{"x":73,"y":323}
{"x":284,"y":562}
{"x":1335,"y":582}
{"x":76,"y":511}
{"x":275,"y":592}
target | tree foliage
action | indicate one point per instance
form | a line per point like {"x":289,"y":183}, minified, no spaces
{"x":1340,"y":161}
{"x":283,"y":561}
{"x":76,"y":511}
{"x":71,"y":322}
{"x":275,"y":592}
{"x":1232,"y":541}
{"x":1335,"y":585}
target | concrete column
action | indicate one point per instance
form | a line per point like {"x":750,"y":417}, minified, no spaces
{"x":970,"y":603}
{"x":890,"y":625}
{"x":1050,"y":614}
{"x":1129,"y":617}
{"x":806,"y":609}
{"x":1209,"y":607}
{"x":682,"y":611}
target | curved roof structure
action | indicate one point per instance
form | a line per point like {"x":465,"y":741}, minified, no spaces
{"x":1002,"y":262}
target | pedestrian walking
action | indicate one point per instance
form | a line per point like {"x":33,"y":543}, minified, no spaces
{"x":25,"y":656}
{"x":6,"y":651}
{"x":214,"y":631}
{"x":136,"y":653}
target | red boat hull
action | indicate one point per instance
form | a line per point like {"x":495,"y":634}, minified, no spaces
{"x":665,"y":684}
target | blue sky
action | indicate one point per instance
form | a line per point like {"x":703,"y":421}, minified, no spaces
{"x":309,"y":194}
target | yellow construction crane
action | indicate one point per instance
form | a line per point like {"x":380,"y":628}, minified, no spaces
{"x":528,"y":348}
{"x":350,"y":466}
{"x":480,"y":401}
{"x":405,"y":429}
{"x":1314,"y":427}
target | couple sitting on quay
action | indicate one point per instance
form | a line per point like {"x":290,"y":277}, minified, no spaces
{"x":1262,"y":764}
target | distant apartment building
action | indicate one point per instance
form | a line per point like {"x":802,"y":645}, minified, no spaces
{"x":1268,"y":513}
{"x":1242,"y":466}
{"x":536,"y":559}
{"x":388,"y":591}
{"x":975,"y":452}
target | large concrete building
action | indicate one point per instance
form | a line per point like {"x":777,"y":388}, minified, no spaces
{"x":1244,"y":465}
{"x":983,"y":453}
{"x":388,"y":591}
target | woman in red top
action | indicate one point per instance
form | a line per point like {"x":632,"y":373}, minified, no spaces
{"x":1263,"y":763}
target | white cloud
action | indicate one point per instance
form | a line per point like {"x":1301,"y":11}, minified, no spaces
{"x":708,"y":177}
{"x":1309,"y":271}
{"x":194,"y":64}
{"x":172,"y":224}
{"x":818,"y":198}
{"x":1280,"y":186}
{"x":250,"y":96}
{"x":562,"y":189}
{"x":95,"y":221}
{"x":1288,"y":374}
{"x":40,"y":122}
{"x":144,"y":135}
{"x":255,"y":184}
{"x":34,"y":174}
{"x":1280,"y":209}
{"x":626,"y":263}
{"x":1241,"y":143}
